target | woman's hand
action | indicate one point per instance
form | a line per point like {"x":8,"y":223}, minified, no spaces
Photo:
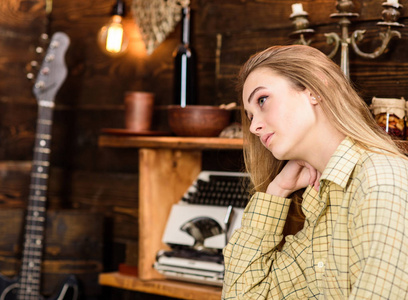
{"x":295,"y":175}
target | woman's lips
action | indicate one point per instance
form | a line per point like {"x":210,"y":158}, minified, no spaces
{"x":266,"y":138}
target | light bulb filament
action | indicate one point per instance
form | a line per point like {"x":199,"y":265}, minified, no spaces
{"x":114,"y":38}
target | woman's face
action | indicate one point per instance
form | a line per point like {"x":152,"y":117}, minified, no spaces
{"x":283,"y":117}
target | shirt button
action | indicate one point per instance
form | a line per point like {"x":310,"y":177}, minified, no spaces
{"x":320,"y":264}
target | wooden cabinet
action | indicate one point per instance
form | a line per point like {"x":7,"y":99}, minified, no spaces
{"x":167,"y":167}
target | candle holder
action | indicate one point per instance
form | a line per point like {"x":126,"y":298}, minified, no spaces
{"x":301,"y":23}
{"x":344,"y":13}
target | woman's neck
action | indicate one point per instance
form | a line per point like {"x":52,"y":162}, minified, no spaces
{"x":324,"y":147}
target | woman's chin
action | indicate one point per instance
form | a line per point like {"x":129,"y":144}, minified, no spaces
{"x":278,"y":153}
{"x":282,"y":153}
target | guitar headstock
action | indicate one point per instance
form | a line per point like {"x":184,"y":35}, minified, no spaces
{"x":53,"y":70}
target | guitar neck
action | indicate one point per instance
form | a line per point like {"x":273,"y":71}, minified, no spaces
{"x":36,"y":209}
{"x":50,"y":77}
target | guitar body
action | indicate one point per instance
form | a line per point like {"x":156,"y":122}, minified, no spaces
{"x":67,"y":291}
{"x":8,"y":288}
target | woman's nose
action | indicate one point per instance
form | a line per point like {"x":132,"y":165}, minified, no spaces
{"x":256,"y":126}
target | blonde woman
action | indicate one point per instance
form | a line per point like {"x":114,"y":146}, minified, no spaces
{"x":305,"y":127}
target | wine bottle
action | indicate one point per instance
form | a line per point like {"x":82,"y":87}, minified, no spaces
{"x":185,"y":66}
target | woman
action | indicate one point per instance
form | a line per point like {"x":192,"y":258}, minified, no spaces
{"x":306,"y":127}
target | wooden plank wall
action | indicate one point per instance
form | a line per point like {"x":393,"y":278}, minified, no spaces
{"x":225,"y":33}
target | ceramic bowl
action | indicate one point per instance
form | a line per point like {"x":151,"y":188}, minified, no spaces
{"x":198,"y":120}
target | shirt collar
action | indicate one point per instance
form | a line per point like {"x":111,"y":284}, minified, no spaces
{"x":342,"y":163}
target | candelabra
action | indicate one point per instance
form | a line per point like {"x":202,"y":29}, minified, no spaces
{"x":390,"y":16}
{"x":299,"y":19}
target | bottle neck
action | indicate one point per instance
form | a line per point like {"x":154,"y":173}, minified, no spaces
{"x":185,"y":31}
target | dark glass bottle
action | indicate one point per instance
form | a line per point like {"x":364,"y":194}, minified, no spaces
{"x":185,"y":66}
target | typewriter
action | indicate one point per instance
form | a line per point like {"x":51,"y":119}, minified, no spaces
{"x":200,"y":225}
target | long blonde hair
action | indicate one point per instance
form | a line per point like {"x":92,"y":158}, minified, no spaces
{"x":308,"y":68}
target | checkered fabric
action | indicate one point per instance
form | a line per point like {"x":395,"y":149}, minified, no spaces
{"x":354,"y":244}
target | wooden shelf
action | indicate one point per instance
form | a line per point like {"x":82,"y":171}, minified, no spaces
{"x":172,"y":142}
{"x":167,"y":167}
{"x":169,"y":288}
{"x":169,"y":142}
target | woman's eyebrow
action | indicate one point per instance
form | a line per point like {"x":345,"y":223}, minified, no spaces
{"x":253,"y":93}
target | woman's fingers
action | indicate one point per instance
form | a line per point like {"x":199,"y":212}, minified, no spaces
{"x":294,"y":176}
{"x":314,"y":175}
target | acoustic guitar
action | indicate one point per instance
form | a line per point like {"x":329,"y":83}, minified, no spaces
{"x":27,"y":285}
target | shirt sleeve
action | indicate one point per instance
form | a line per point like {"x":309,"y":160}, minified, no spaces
{"x":380,"y":245}
{"x":254,"y":268}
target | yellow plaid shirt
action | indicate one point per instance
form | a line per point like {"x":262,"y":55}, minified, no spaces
{"x":354,"y":244}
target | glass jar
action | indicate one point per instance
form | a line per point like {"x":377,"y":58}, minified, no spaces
{"x":406,"y":120}
{"x":389,"y":113}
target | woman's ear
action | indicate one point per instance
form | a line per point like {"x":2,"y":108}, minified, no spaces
{"x":314,"y":100}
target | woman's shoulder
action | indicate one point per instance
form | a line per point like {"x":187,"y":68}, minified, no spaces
{"x":381,"y":168}
{"x":381,"y":158}
{"x":379,"y":181}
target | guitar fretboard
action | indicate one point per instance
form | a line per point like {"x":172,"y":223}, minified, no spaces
{"x":36,"y":211}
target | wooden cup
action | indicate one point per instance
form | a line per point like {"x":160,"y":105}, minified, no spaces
{"x":138,"y":110}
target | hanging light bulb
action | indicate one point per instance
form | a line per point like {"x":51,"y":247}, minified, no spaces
{"x":112,"y":38}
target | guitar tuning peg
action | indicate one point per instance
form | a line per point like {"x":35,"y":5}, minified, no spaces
{"x":44,"y":37}
{"x":49,"y":58}
{"x":39,"y":50}
{"x":39,"y":85}
{"x":54,"y":44}
{"x":34,"y":64}
{"x":45,"y":71}
{"x":31,"y":66}
{"x":30,"y":76}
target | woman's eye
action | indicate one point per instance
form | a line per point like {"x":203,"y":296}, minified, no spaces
{"x":261,"y":101}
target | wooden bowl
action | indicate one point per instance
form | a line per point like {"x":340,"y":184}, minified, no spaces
{"x":198,"y":120}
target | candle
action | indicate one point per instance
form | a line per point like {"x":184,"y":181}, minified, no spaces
{"x":297,"y":8}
